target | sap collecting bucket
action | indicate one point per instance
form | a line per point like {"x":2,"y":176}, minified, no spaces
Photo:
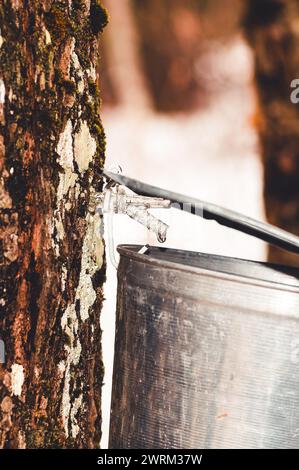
{"x":207,"y":347}
{"x":206,"y":352}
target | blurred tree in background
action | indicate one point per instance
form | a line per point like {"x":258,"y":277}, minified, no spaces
{"x":174,"y":34}
{"x":170,"y":37}
{"x":123,"y":75}
{"x":272,"y":28}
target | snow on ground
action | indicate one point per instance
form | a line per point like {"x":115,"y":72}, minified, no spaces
{"x":211,"y":154}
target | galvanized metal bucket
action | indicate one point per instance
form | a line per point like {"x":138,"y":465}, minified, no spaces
{"x":206,"y":352}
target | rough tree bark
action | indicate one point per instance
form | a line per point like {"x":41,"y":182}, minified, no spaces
{"x":272,"y":29}
{"x":52,"y":255}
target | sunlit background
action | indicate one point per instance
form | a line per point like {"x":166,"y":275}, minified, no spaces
{"x":178,"y":110}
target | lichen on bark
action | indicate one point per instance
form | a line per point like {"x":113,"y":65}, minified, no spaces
{"x":52,"y":147}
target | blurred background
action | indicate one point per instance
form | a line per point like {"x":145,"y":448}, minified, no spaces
{"x":196,"y":99}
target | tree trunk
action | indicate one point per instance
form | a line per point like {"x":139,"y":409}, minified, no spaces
{"x":272,"y":30}
{"x":52,"y":254}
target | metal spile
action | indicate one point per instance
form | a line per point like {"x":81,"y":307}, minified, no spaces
{"x":223,"y":216}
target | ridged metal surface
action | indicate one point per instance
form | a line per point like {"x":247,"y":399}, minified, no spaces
{"x":206,"y":353}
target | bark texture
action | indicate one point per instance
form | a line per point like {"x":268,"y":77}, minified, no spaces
{"x":272,"y":29}
{"x":52,"y":255}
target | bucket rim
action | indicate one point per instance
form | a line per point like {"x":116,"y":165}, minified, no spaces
{"x":131,"y":251}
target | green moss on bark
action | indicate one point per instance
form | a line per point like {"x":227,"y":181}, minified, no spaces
{"x":42,"y":94}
